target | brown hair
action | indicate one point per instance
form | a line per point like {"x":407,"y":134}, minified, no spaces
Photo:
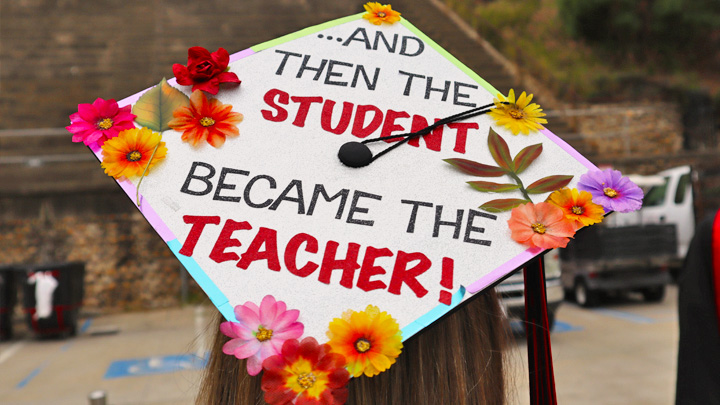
{"x":458,"y":360}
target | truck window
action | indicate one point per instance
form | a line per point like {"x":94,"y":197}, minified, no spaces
{"x":656,"y":195}
{"x":683,"y":184}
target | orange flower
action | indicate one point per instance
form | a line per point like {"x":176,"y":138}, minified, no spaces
{"x":379,"y":13}
{"x":128,"y":154}
{"x":369,"y":340}
{"x":206,"y":120}
{"x":577,"y":206}
{"x":540,"y":225}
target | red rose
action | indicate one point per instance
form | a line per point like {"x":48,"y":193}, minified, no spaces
{"x":205,"y":70}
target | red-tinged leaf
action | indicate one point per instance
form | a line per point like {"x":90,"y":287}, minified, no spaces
{"x":548,"y":184}
{"x":475,"y":168}
{"x":499,"y":150}
{"x":526,"y":156}
{"x":490,"y":187}
{"x":502,"y":205}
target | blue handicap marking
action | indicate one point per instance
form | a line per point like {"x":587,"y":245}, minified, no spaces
{"x":154,"y":365}
{"x":565,"y":327}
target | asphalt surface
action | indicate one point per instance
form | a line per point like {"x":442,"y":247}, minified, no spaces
{"x":624,"y":352}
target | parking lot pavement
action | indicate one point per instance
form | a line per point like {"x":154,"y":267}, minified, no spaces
{"x":623,"y":352}
{"x":151,"y":359}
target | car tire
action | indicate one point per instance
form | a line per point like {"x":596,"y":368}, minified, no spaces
{"x":654,"y":294}
{"x":584,"y":296}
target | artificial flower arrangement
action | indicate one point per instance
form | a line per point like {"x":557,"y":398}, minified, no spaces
{"x":130,"y":139}
{"x":549,"y":224}
{"x":297,"y":369}
{"x":305,"y":371}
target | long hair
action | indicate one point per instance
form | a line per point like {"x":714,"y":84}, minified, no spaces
{"x":458,"y":360}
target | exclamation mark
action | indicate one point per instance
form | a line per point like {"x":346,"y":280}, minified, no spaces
{"x":448,"y":267}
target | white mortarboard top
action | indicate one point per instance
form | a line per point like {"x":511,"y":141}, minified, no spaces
{"x":273,"y":211}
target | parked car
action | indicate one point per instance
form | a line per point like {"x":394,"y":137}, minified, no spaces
{"x":634,"y":251}
{"x":512,"y":290}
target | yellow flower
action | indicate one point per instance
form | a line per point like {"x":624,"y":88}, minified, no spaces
{"x":577,"y":206}
{"x":379,"y":13}
{"x":369,"y":340}
{"x":127,"y":154}
{"x":518,"y":116}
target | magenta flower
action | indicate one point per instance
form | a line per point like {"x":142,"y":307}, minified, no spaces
{"x":260,"y":332}
{"x":611,"y":190}
{"x":99,"y":121}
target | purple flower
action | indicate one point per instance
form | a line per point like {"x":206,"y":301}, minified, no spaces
{"x":260,"y":332}
{"x":611,"y":190}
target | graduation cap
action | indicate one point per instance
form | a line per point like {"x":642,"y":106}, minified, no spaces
{"x":348,"y":166}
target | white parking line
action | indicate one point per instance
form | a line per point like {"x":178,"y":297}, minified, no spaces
{"x":4,"y":356}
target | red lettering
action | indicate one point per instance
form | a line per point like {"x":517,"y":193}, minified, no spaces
{"x":402,"y":275}
{"x":389,"y":125}
{"x":198,"y":224}
{"x":291,"y":254}
{"x":268,"y":238}
{"x":461,"y":136}
{"x":303,"y":108}
{"x":369,"y":269}
{"x":347,"y":265}
{"x":269,"y":98}
{"x":326,"y":118}
{"x":433,"y":140}
{"x":225,"y":241}
{"x":359,"y":129}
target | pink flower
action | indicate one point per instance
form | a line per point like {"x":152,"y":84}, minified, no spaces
{"x":260,"y":332}
{"x":99,"y":121}
{"x":540,"y":225}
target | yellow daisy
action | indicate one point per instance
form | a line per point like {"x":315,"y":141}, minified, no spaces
{"x":518,"y":116}
{"x":380,"y":13}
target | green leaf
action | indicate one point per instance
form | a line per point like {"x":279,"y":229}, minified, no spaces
{"x":500,"y":151}
{"x":502,"y":205}
{"x":475,"y":168}
{"x":548,"y":184}
{"x":526,"y":156}
{"x":490,"y":187}
{"x":154,"y":109}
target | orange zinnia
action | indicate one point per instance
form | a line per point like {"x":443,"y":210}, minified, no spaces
{"x":206,"y":120}
{"x":380,"y":13}
{"x":129,"y":153}
{"x":540,"y":225}
{"x":369,"y":340}
{"x":577,"y":206}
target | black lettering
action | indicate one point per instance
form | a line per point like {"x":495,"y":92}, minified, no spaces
{"x":249,"y":186}
{"x":470,"y":228}
{"x":330,"y":73}
{"x":438,"y":223}
{"x":354,"y":208}
{"x":360,"y":31}
{"x":224,"y":186}
{"x":413,"y":213}
{"x":285,"y":58}
{"x":192,"y":176}
{"x":458,"y":95}
{"x":297,"y":185}
{"x":408,"y":84}
{"x":320,"y":190}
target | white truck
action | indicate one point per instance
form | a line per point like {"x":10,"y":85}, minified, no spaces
{"x":634,"y":251}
